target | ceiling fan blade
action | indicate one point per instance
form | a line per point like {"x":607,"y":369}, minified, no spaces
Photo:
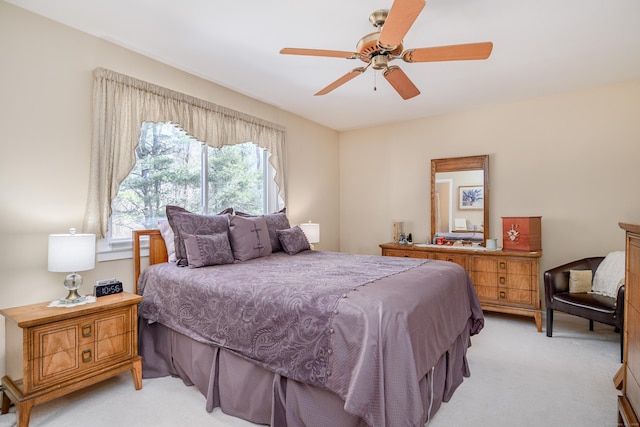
{"x":456,"y":52}
{"x":319,"y":52}
{"x":342,"y":80}
{"x":401,"y":17}
{"x":400,"y":82}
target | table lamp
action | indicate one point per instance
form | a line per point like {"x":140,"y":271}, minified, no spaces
{"x":312,"y":231}
{"x":72,"y":253}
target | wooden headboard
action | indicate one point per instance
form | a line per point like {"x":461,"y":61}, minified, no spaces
{"x":157,"y":252}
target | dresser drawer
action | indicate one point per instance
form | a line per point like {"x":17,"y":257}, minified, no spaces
{"x":461,"y":260}
{"x":633,"y":355}
{"x":633,"y":255}
{"x":506,"y":280}
{"x":406,"y":253}
{"x":511,"y":266}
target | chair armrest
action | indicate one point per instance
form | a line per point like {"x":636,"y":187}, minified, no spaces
{"x":557,"y":279}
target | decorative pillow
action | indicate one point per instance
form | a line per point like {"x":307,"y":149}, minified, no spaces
{"x":580,"y":281}
{"x":184,"y":222}
{"x":169,"y":238}
{"x":293,"y":240}
{"x":609,"y":275}
{"x":208,"y":249}
{"x":275,"y":221}
{"x":249,"y":237}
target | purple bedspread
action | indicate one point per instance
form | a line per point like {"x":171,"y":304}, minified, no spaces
{"x":368,"y":328}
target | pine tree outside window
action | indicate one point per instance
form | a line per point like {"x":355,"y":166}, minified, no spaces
{"x":173,"y":168}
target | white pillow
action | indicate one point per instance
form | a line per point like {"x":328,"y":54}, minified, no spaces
{"x":609,"y":275}
{"x":169,"y":238}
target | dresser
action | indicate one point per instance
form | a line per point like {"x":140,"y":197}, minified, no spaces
{"x":505,"y":281}
{"x":52,"y":351}
{"x":629,"y":401}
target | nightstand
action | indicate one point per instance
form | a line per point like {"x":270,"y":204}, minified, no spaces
{"x":53,"y":351}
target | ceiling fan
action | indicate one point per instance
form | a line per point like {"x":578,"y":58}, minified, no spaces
{"x":383,"y":46}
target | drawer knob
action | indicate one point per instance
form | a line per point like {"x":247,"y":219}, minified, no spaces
{"x":502,"y":294}
{"x":86,"y":356}
{"x":86,"y":331}
{"x":503,"y":280}
{"x":502,"y":265}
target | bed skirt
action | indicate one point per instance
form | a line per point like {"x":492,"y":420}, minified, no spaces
{"x":245,"y":390}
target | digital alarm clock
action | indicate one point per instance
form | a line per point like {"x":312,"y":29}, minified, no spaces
{"x":107,"y":287}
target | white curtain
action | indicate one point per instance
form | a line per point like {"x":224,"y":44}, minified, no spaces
{"x":122,"y":103}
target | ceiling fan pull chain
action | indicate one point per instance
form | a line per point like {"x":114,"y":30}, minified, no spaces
{"x":375,"y":83}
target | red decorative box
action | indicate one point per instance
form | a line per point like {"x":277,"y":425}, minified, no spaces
{"x":522,"y":233}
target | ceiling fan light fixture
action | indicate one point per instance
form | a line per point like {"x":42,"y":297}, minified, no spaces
{"x":379,"y":62}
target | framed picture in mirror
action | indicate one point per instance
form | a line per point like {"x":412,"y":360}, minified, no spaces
{"x":471,"y":197}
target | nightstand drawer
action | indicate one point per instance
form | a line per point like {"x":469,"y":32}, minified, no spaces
{"x":69,"y":347}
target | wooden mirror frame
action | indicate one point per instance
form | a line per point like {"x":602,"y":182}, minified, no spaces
{"x":458,"y":164}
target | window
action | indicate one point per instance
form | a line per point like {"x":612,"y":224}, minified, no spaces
{"x":173,"y":168}
{"x":123,"y":103}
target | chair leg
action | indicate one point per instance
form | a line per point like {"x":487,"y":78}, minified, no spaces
{"x":621,"y":347}
{"x":549,"y":322}
{"x":590,"y":325}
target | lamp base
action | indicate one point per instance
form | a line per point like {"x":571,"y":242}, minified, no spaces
{"x":73,"y":298}
{"x":72,"y":282}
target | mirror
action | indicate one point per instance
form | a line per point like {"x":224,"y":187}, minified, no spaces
{"x":460,"y":198}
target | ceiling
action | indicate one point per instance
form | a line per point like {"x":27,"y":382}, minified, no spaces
{"x":541,"y":47}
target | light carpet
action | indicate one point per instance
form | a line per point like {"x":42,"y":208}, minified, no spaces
{"x":519,"y":377}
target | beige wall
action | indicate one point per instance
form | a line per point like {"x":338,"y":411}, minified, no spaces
{"x":571,"y":158}
{"x":45,"y":117}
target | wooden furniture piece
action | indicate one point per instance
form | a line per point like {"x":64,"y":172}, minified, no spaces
{"x":157,"y":251}
{"x":456,"y":167}
{"x":629,"y":401}
{"x":52,"y":351}
{"x":522,"y":233}
{"x":505,"y":281}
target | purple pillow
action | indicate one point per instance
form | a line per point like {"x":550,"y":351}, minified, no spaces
{"x":249,"y":237}
{"x":293,"y":240}
{"x":275,"y":221}
{"x":184,"y":222}
{"x":208,"y":249}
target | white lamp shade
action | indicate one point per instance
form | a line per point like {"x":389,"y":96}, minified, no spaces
{"x":72,"y":252}
{"x":312,"y":231}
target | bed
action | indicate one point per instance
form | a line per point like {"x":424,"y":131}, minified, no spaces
{"x":310,"y":339}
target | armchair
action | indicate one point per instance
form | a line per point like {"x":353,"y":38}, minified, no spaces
{"x":593,"y":307}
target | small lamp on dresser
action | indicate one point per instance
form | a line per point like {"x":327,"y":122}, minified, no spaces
{"x":312,"y":231}
{"x":72,"y":253}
